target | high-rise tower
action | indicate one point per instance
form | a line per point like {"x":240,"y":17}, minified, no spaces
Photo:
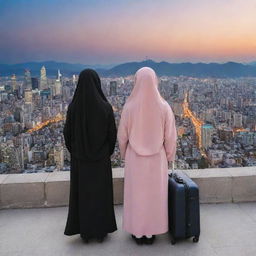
{"x":43,"y":79}
{"x":14,"y":83}
{"x":237,"y":120}
{"x":112,"y":88}
{"x":27,"y":80}
{"x":206,"y":133}
{"x":58,"y":85}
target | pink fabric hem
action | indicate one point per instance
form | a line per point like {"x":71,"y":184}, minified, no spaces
{"x":158,"y":232}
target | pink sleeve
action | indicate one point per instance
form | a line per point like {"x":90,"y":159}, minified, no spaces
{"x":170,"y":135}
{"x":122,"y":134}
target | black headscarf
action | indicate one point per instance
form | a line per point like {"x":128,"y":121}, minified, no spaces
{"x":87,"y":117}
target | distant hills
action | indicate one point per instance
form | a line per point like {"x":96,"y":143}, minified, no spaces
{"x":229,"y":69}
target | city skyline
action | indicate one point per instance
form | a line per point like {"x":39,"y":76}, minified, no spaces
{"x":91,"y":32}
{"x":215,"y":120}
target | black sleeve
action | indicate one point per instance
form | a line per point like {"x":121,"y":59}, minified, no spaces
{"x":112,"y":132}
{"x":67,"y":131}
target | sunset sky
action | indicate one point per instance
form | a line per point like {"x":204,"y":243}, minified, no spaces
{"x":115,"y":31}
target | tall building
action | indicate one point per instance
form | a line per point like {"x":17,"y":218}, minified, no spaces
{"x":27,"y":80}
{"x":36,"y":99}
{"x":209,"y":115}
{"x":112,"y":88}
{"x":66,"y":93}
{"x":237,"y":120}
{"x":246,"y":138}
{"x":14,"y":83}
{"x":58,"y":86}
{"x":59,"y":156}
{"x":35,"y":83}
{"x":228,"y":117}
{"x":74,"y":79}
{"x":59,"y":76}
{"x":43,"y":79}
{"x":28,"y":96}
{"x":206,"y":133}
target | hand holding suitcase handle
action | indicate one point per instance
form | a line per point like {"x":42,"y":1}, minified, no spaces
{"x":172,"y":168}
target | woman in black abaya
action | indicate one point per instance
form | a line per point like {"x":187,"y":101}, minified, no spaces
{"x":90,"y":136}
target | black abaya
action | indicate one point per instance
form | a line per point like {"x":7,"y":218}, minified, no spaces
{"x":90,"y":136}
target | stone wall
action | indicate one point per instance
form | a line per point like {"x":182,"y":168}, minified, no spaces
{"x":52,"y":189}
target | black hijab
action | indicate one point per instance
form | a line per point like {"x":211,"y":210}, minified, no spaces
{"x":88,"y":113}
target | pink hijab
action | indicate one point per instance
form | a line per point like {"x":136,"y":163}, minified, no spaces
{"x":145,"y":105}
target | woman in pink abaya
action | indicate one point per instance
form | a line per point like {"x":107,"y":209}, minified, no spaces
{"x":147,"y":140}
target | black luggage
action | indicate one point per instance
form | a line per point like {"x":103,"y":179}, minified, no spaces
{"x":184,"y":208}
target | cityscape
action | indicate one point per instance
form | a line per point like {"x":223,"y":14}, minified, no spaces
{"x":215,"y":120}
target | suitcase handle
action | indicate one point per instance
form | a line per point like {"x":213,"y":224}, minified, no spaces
{"x":177,"y":178}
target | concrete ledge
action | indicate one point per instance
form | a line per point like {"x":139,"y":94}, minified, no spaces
{"x":244,"y":184}
{"x":118,"y":185}
{"x":52,"y":189}
{"x":218,"y":185}
{"x":215,"y":185}
{"x":57,"y":189}
{"x":22,"y":190}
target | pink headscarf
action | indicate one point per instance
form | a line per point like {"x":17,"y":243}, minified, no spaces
{"x":145,"y":105}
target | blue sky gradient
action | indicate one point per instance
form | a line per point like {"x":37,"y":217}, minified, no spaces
{"x":113,"y":31}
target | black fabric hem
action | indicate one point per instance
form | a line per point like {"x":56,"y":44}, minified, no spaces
{"x":91,"y":235}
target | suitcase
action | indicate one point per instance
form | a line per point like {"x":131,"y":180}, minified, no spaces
{"x":183,"y":207}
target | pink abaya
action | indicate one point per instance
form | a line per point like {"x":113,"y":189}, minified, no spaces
{"x":147,"y":140}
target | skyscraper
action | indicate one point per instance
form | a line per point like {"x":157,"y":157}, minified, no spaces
{"x":43,"y":79}
{"x":74,"y":79}
{"x":28,"y":96}
{"x":237,"y":120}
{"x":14,"y":83}
{"x":35,"y":82}
{"x":206,"y":133}
{"x":113,"y":87}
{"x":27,"y":80}
{"x":59,"y":76}
{"x":58,"y":85}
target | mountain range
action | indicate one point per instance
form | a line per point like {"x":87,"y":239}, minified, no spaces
{"x":228,"y":69}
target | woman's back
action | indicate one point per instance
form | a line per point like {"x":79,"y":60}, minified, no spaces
{"x":147,"y":140}
{"x":145,"y":115}
{"x":89,"y":118}
{"x":90,"y":136}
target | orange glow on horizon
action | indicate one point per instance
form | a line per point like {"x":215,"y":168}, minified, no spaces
{"x":120,"y":31}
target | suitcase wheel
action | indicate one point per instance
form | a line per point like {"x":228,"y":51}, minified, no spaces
{"x":173,"y":241}
{"x":195,"y":239}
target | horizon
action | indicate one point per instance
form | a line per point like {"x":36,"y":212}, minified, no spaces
{"x":131,"y":61}
{"x":95,"y":33}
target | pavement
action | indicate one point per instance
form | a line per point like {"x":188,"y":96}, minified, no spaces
{"x":226,"y":230}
